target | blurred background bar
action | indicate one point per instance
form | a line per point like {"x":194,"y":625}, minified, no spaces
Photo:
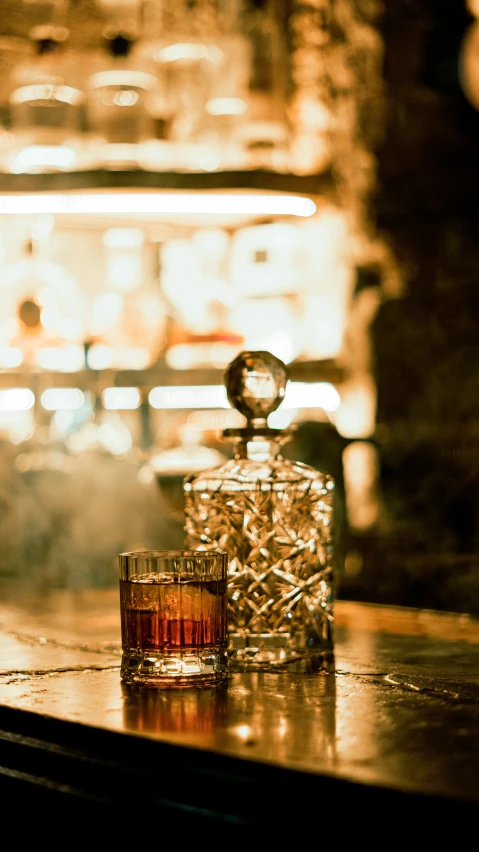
{"x":180,"y":181}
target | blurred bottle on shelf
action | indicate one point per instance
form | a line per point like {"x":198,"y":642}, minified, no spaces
{"x":118,"y":95}
{"x":226,"y":108}
{"x":46,"y":106}
{"x":202,"y":64}
{"x":183,"y":77}
{"x":265,"y":134}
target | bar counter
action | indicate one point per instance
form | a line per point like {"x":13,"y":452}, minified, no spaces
{"x":389,"y":740}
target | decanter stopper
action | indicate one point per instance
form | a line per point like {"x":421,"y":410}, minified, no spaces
{"x":255,"y":384}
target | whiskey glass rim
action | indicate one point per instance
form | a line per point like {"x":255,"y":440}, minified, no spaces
{"x":174,"y":562}
{"x":171,"y":554}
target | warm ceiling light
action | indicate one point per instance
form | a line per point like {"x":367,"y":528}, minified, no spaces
{"x":201,"y":203}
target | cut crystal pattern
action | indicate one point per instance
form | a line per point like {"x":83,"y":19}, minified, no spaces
{"x":274,"y":519}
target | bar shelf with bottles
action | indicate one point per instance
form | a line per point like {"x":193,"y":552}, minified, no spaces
{"x":180,"y":89}
{"x":158,"y":303}
{"x":169,"y":197}
{"x":174,"y":146}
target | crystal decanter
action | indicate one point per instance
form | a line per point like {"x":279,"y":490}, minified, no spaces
{"x":274,"y":518}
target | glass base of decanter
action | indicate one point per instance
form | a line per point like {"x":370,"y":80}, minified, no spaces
{"x":278,"y":652}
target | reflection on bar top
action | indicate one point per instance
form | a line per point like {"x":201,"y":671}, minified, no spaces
{"x":407,"y":621}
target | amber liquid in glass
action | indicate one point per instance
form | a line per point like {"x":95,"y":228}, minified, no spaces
{"x":173,"y":615}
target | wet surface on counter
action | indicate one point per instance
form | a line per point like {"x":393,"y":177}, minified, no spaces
{"x":401,"y":710}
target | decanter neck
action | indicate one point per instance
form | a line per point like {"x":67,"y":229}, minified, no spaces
{"x":257,"y":450}
{"x":257,"y":444}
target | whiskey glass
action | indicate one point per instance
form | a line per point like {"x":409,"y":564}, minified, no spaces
{"x":173,"y":617}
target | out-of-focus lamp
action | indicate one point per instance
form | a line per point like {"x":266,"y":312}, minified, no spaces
{"x":468,"y":62}
{"x":124,"y":257}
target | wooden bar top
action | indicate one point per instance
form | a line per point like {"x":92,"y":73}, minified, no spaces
{"x":394,"y":727}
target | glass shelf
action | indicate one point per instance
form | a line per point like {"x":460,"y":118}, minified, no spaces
{"x":261,"y":180}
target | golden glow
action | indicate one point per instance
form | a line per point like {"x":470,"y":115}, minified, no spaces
{"x":243,"y":732}
{"x":189,"y":396}
{"x":125,"y":238}
{"x":46,"y":92}
{"x":361,"y":477}
{"x":43,"y":156}
{"x":121,"y":154}
{"x":298,"y":395}
{"x":468,"y":64}
{"x":125,"y":98}
{"x":187,"y":356}
{"x":226,"y":106}
{"x":67,"y":360}
{"x":102,"y":357}
{"x":135,"y":79}
{"x":281,"y":419}
{"x":311,"y":395}
{"x":189,"y":52}
{"x":17,"y":426}
{"x":356,"y":415}
{"x":121,"y":399}
{"x":10,"y":356}
{"x":216,"y":420}
{"x":114,"y":436}
{"x":62,"y":399}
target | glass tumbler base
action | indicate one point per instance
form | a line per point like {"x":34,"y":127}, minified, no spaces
{"x":188,"y":668}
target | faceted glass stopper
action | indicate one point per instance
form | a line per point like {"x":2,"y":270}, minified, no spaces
{"x":256,"y":384}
